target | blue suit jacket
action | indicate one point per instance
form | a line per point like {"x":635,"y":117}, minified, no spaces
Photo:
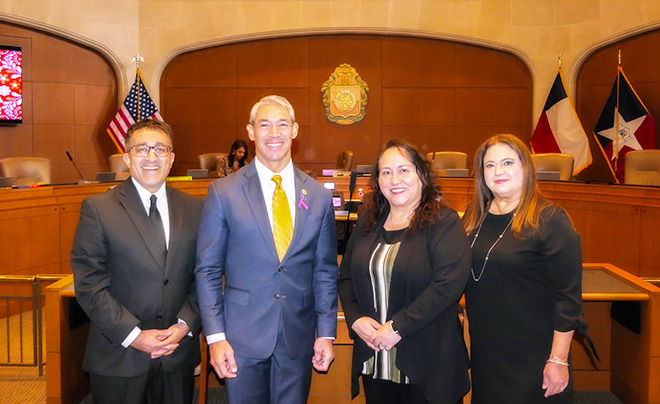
{"x":235,"y":239}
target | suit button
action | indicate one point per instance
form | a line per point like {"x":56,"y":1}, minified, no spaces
{"x":159,"y":317}
{"x":166,"y":282}
{"x":277,"y":295}
{"x":280,"y":269}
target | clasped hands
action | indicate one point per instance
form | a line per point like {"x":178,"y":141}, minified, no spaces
{"x":377,"y":336}
{"x":159,"y":343}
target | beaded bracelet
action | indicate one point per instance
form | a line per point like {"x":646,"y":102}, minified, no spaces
{"x":557,"y":360}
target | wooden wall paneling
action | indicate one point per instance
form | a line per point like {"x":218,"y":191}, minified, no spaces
{"x":327,"y":138}
{"x":188,"y":141}
{"x":389,"y":65}
{"x":17,"y":140}
{"x":69,"y":217}
{"x":630,"y":369}
{"x":472,"y":107}
{"x":66,"y":382}
{"x":617,"y":244}
{"x":206,"y":68}
{"x":436,"y":106}
{"x":47,"y":111}
{"x":52,"y":141}
{"x":27,"y":234}
{"x":590,"y":374}
{"x":436,"y":138}
{"x":40,"y":234}
{"x":400,"y":106}
{"x":217,"y":106}
{"x":418,"y":63}
{"x":267,"y":64}
{"x":55,"y":72}
{"x":482,"y":67}
{"x":648,"y":241}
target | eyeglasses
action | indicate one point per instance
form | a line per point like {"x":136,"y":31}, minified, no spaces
{"x":143,"y":150}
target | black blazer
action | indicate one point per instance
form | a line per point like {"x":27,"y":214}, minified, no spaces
{"x":429,"y":276}
{"x":120,"y":282}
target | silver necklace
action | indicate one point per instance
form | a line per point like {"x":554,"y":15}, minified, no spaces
{"x":477,"y":278}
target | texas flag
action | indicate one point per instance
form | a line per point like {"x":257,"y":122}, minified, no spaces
{"x":559,"y":129}
{"x":624,"y":125}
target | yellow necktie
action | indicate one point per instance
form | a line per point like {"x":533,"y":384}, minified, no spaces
{"x":282,"y":223}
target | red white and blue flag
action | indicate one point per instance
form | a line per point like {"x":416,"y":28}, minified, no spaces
{"x":624,"y":125}
{"x":137,"y":106}
{"x":559,"y":129}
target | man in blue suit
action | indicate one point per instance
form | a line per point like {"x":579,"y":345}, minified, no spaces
{"x":276,"y":316}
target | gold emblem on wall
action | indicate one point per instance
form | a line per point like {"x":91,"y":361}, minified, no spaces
{"x":345,"y":96}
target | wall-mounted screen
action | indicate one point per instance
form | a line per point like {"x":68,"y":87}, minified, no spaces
{"x":11,"y":84}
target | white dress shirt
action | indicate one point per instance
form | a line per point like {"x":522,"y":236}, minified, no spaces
{"x":163,"y":209}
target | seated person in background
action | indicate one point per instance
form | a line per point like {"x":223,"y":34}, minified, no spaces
{"x":230,"y":163}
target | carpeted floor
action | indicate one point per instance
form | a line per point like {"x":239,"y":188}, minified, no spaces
{"x":595,"y":397}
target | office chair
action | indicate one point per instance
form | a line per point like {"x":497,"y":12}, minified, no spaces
{"x":27,"y":170}
{"x":118,"y":166}
{"x":209,"y":161}
{"x":554,"y":162}
{"x":642,"y":167}
{"x":345,"y":160}
{"x":448,"y":160}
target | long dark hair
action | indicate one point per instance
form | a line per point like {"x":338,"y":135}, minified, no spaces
{"x":429,"y":204}
{"x":235,"y":146}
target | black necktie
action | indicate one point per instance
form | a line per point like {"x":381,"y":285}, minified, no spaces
{"x":157,"y":224}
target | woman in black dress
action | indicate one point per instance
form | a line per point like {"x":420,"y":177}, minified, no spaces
{"x":524,"y":295}
{"x":404,"y":270}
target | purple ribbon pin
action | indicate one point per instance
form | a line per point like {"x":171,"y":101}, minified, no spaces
{"x":302,"y":200}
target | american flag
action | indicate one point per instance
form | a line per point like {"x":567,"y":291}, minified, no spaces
{"x":137,"y":106}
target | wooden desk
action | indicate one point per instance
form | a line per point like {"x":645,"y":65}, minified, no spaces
{"x":630,"y":360}
{"x":618,"y":223}
{"x":630,"y":364}
{"x":66,"y":382}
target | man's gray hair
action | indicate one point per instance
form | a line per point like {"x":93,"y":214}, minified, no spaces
{"x":272,"y":100}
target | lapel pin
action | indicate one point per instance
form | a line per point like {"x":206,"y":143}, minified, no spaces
{"x":301,"y":202}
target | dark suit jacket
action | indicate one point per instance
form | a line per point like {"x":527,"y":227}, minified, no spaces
{"x":428,"y":278}
{"x":235,"y":238}
{"x":120,"y":283}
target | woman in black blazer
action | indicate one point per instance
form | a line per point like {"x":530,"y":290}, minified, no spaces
{"x":404,"y":270}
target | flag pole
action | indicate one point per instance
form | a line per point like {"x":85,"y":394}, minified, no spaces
{"x":615,"y":150}
{"x":559,"y":60}
{"x":137,"y":58}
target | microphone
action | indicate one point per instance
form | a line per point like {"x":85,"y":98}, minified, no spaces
{"x":76,"y":167}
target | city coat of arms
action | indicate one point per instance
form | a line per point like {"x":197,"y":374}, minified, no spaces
{"x":345,"y":96}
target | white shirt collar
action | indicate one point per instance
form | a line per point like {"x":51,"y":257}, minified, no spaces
{"x":145,"y":195}
{"x":266,"y":175}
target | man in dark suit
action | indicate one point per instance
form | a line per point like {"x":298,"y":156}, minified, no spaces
{"x":133,"y":262}
{"x":277,"y":314}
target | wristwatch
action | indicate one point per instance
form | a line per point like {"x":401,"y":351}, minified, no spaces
{"x":393,"y":327}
